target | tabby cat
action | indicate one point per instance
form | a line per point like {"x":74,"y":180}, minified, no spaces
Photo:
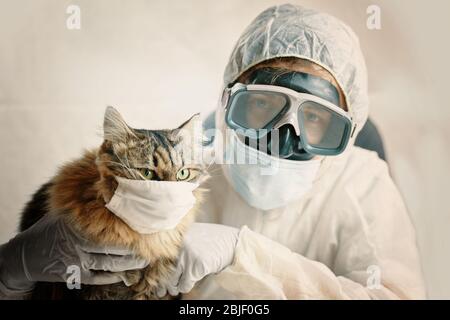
{"x":81,"y":188}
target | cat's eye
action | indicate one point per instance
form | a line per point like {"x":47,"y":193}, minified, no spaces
{"x":183,"y":174}
{"x":147,"y":173}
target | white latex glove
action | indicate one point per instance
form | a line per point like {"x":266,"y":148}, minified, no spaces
{"x":208,"y":248}
{"x":44,"y":251}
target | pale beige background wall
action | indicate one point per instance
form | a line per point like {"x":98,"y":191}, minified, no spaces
{"x":161,"y":61}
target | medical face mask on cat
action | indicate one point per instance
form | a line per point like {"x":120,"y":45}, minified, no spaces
{"x":152,"y":206}
{"x":263,"y":181}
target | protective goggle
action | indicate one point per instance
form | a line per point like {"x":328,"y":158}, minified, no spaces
{"x":323,"y":128}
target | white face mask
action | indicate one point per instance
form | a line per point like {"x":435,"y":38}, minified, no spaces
{"x":152,"y":206}
{"x":266,"y":182}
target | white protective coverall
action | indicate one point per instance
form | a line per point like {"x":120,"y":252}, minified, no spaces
{"x":350,"y":236}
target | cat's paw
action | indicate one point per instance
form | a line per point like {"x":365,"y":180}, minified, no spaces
{"x":132,"y":277}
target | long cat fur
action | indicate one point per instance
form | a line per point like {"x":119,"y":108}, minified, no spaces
{"x":79,"y":191}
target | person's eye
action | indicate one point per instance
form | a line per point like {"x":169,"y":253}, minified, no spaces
{"x":312,"y":117}
{"x":183,"y":174}
{"x":258,"y":103}
{"x":147,"y":173}
{"x":261,"y":103}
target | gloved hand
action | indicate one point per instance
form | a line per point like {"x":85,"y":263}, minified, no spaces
{"x":208,"y":248}
{"x":44,"y":251}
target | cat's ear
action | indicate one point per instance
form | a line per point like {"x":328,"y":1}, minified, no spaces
{"x":190,"y":131}
{"x":190,"y":123}
{"x":115,"y":129}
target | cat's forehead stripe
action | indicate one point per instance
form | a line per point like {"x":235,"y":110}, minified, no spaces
{"x":168,"y":146}
{"x":164,"y":154}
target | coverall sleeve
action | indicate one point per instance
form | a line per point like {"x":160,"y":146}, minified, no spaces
{"x":376,"y":256}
